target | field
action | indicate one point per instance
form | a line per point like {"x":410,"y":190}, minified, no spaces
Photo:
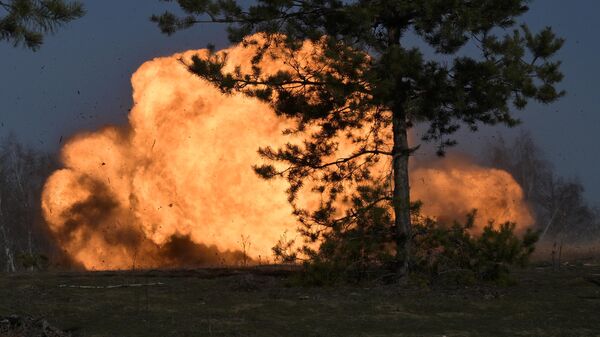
{"x":261,"y":302}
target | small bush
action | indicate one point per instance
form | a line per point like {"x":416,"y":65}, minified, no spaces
{"x":453,"y":254}
{"x":33,"y":261}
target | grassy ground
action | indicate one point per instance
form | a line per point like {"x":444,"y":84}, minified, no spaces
{"x":217,"y":303}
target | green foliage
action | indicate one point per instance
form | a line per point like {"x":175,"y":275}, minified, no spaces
{"x":363,"y":250}
{"x":447,"y":254}
{"x":284,"y":251}
{"x":26,"y":21}
{"x":356,"y":248}
{"x":372,"y":76}
{"x":509,"y":70}
{"x":454,"y":254}
{"x":33,"y":261}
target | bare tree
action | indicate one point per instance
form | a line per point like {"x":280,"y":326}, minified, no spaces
{"x":10,"y":260}
{"x":558,"y":203}
{"x":22,"y":230}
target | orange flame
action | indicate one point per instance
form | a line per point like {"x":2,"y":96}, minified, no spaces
{"x":176,"y":188}
{"x":454,"y":186}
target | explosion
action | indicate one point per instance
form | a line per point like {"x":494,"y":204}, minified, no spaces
{"x":175,"y":187}
{"x":452,"y":187}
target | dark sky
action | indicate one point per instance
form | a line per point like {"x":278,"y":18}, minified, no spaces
{"x":79,"y":80}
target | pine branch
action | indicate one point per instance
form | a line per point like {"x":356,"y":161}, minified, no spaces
{"x":350,"y":158}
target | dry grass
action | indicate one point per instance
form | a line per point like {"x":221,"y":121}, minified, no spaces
{"x":241,"y":303}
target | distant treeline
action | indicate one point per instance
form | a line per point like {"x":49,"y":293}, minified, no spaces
{"x":25,"y":243}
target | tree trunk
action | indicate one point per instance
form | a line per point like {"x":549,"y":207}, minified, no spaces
{"x":10,"y":259}
{"x":400,"y":152}
{"x":401,"y":197}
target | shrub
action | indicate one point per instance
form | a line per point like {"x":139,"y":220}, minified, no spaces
{"x":454,"y":254}
{"x":33,"y":261}
{"x":363,"y":250}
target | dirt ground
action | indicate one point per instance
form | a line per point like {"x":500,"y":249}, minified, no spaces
{"x":213,"y":302}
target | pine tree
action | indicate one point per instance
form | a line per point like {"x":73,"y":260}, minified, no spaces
{"x":26,"y":21}
{"x":376,"y":77}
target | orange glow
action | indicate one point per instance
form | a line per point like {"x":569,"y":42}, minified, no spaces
{"x":175,"y":187}
{"x":455,"y":186}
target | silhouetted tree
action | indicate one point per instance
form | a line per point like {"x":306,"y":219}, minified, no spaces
{"x":23,"y":233}
{"x":26,"y":21}
{"x":484,"y":65}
